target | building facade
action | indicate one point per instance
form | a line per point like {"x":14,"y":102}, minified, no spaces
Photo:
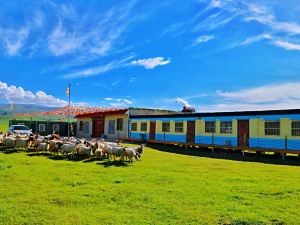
{"x":111,"y":123}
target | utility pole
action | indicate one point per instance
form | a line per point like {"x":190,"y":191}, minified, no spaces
{"x":69,"y":101}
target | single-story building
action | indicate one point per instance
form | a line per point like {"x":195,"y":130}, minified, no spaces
{"x":111,"y":123}
{"x":47,"y":127}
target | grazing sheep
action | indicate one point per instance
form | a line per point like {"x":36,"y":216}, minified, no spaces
{"x":85,"y":150}
{"x":130,"y":153}
{"x":99,"y":153}
{"x":138,"y":151}
{"x":43,"y":147}
{"x":54,"y":145}
{"x":10,"y":141}
{"x":114,"y":151}
{"x":2,"y":137}
{"x":23,"y":142}
{"x":68,"y":148}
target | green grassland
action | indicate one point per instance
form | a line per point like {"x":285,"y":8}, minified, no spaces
{"x":4,"y":120}
{"x":164,"y":188}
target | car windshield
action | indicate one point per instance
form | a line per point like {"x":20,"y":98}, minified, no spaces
{"x":20,"y":128}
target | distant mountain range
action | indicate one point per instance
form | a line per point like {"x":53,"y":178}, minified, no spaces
{"x":5,"y":109}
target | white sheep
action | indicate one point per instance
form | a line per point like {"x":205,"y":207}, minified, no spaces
{"x":130,"y":153}
{"x":10,"y":141}
{"x":99,"y":153}
{"x":69,"y":148}
{"x":42,"y":147}
{"x":114,"y":151}
{"x":22,"y":143}
{"x":82,"y":149}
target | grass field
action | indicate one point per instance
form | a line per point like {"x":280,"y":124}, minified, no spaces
{"x":164,"y":188}
{"x":4,"y":122}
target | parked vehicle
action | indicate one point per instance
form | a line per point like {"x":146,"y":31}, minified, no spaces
{"x":20,"y":129}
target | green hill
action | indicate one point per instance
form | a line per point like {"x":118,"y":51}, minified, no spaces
{"x":5,"y":109}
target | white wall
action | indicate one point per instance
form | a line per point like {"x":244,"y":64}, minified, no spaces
{"x":117,"y":134}
{"x":83,"y":133}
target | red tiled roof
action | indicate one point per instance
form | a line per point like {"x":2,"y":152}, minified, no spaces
{"x":102,"y":111}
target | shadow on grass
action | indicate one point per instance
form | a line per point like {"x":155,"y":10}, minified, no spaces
{"x":9,"y":150}
{"x":53,"y":156}
{"x":116,"y":163}
{"x":229,"y":155}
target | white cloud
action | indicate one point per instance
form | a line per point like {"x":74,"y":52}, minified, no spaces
{"x":265,"y":94}
{"x":62,"y":42}
{"x":132,"y":79}
{"x":93,"y":71}
{"x":118,"y":102}
{"x":273,"y":96}
{"x":182,"y":101}
{"x":204,"y":38}
{"x":287,"y":45}
{"x":12,"y":40}
{"x":15,"y":94}
{"x":215,"y":3}
{"x":151,"y":63}
{"x":257,"y":38}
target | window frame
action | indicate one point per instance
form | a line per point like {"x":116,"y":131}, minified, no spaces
{"x":111,"y":127}
{"x":120,"y":124}
{"x":213,"y":128}
{"x":146,"y":126}
{"x":273,"y":133}
{"x":181,"y":127}
{"x":131,"y":125}
{"x":80,"y":125}
{"x":42,"y":125}
{"x":226,"y":129}
{"x":86,"y":127}
{"x":165,"y":127}
{"x":295,"y":129}
{"x":55,"y":124}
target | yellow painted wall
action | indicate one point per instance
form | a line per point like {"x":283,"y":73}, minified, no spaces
{"x":172,"y":127}
{"x":200,"y":129}
{"x":139,"y":126}
{"x":257,"y":129}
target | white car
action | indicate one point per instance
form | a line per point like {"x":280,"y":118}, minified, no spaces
{"x":20,"y":129}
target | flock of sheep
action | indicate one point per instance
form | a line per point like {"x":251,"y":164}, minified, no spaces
{"x":55,"y":144}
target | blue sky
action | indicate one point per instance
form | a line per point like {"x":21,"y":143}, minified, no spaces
{"x":214,"y":55}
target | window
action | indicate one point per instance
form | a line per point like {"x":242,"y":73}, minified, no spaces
{"x":133,"y":126}
{"x":111,"y":127}
{"x":166,"y":127}
{"x":296,"y":128}
{"x":120,"y":124}
{"x":226,"y":127}
{"x":272,"y":128}
{"x":179,"y":127}
{"x":42,"y":127}
{"x":86,"y":127}
{"x":56,"y":127}
{"x":80,"y":125}
{"x":143,"y":126}
{"x":210,"y":127}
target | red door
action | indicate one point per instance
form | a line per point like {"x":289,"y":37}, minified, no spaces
{"x":243,"y":133}
{"x":98,"y":127}
{"x":152,"y":130}
{"x":190,"y":133}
